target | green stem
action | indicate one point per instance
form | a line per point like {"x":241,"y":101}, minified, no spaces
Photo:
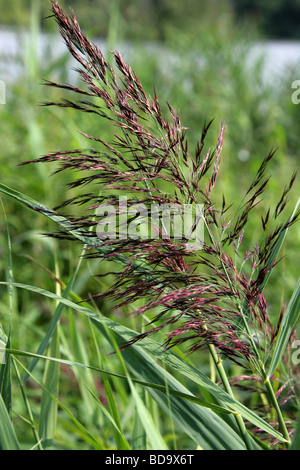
{"x":268,"y":385}
{"x":223,"y":376}
{"x":27,"y":405}
{"x":274,"y":402}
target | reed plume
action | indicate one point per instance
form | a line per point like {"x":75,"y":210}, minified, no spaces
{"x":208,"y":297}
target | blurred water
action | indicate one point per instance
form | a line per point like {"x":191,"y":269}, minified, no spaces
{"x":20,"y":53}
{"x":281,"y":59}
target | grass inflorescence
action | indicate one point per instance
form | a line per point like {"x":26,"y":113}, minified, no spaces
{"x":195,"y":299}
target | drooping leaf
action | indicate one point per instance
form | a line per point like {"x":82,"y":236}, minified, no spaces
{"x":8,"y":438}
{"x":289,"y":321}
{"x":148,"y":346}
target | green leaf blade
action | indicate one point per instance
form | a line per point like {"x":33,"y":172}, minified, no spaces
{"x":8,"y":438}
{"x":288,"y":323}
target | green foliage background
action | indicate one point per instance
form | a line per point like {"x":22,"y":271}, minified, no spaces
{"x":166,"y":39}
{"x":154,"y":18}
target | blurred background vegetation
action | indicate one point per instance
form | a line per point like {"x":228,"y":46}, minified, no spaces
{"x":196,"y":53}
{"x":154,"y":19}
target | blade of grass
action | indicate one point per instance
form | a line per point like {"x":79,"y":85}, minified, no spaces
{"x":51,"y":328}
{"x":289,"y":321}
{"x":177,"y":363}
{"x":204,"y":427}
{"x":5,"y":362}
{"x":48,"y":412}
{"x":56,"y":316}
{"x":122,"y":444}
{"x":92,"y":439}
{"x":120,"y":439}
{"x":154,"y":436}
{"x":63,"y":222}
{"x":138,"y":435}
{"x":200,"y":424}
{"x":8,"y":438}
{"x":296,"y":438}
{"x":152,"y":432}
{"x":277,"y":247}
{"x":187,"y":396}
{"x":76,"y":347}
{"x":30,"y":421}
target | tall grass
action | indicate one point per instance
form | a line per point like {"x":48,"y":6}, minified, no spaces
{"x":60,"y":385}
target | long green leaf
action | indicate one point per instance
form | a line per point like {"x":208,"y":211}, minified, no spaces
{"x":203,"y":426}
{"x":156,"y":441}
{"x":5,"y":363}
{"x":277,"y":247}
{"x":272,"y":258}
{"x":187,"y":396}
{"x":50,"y":329}
{"x":150,"y":430}
{"x":8,"y":438}
{"x":110,"y":417}
{"x":289,"y":321}
{"x":296,"y":437}
{"x":178,"y":391}
{"x":92,"y":439}
{"x":48,"y":413}
{"x":30,"y":419}
{"x":153,"y":348}
{"x":199,"y":378}
{"x":122,"y":444}
{"x":206,"y":428}
{"x":63,"y":222}
{"x":138,"y":435}
{"x":29,"y":202}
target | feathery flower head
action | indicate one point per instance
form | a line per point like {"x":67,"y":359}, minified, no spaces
{"x":203,"y":297}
